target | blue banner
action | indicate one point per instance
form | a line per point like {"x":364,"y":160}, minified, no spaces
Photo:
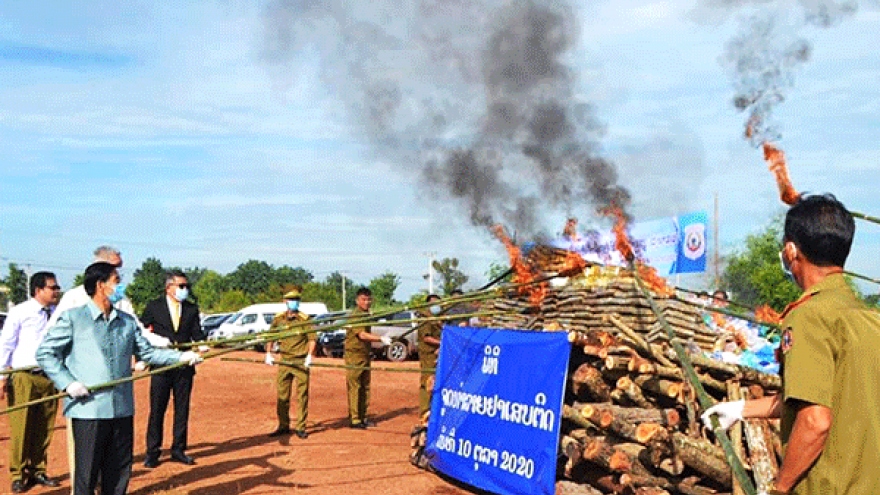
{"x":671,"y":245}
{"x":691,"y":252}
{"x":496,"y":408}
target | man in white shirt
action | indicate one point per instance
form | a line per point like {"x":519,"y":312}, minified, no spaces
{"x":30,"y":428}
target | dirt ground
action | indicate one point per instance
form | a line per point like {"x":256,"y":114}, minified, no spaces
{"x":232,"y":410}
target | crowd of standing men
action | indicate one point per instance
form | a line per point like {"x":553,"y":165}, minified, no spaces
{"x":91,"y":336}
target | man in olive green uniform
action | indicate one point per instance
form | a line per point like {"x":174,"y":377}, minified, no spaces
{"x":296,"y":349}
{"x":358,"y":351}
{"x":429,"y":345}
{"x":830,"y":401}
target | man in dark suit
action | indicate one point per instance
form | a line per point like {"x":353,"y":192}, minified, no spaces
{"x":173,"y":317}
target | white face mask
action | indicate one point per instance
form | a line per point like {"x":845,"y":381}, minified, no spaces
{"x":785,"y":268}
{"x":181,"y":294}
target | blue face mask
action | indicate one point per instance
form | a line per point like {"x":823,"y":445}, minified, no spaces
{"x":118,"y":294}
{"x":181,"y":294}
{"x":293,"y":305}
{"x":436,"y":309}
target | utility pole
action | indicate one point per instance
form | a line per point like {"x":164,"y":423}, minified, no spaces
{"x":430,"y":256}
{"x":343,"y":290}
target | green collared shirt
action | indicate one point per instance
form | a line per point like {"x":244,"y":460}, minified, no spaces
{"x":830,"y":358}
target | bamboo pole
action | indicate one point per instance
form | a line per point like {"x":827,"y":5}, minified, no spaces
{"x":296,"y":328}
{"x":300,"y":365}
{"x":15,"y":370}
{"x":862,"y":277}
{"x":113,"y":383}
{"x":693,"y":379}
{"x":867,"y":218}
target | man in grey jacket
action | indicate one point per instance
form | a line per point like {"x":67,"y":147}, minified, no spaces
{"x":90,"y":345}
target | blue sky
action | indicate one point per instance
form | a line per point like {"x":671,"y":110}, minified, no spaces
{"x":160,"y":130}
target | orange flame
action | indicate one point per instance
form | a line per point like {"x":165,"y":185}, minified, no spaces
{"x":768,"y":315}
{"x":523,"y":274}
{"x":648,"y":274}
{"x":574,"y":264}
{"x":654,"y":281}
{"x":775,"y":159}
{"x":621,"y":243}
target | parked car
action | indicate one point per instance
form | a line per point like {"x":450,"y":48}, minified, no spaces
{"x":401,"y":348}
{"x":332,"y":342}
{"x":257,"y":318}
{"x":213,"y":321}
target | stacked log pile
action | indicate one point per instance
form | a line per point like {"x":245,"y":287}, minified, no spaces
{"x":596,"y":302}
{"x":631,"y":420}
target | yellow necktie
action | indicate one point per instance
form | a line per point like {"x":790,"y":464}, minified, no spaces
{"x":175,"y":314}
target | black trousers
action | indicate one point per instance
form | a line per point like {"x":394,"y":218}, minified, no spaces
{"x":179,"y":382}
{"x":102,"y":447}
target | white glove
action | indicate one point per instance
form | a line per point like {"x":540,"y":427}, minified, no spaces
{"x":156,"y":340}
{"x":728,"y":413}
{"x":77,"y":390}
{"x":204,"y":348}
{"x":269,"y":359}
{"x":190,"y":357}
{"x":308,"y":361}
{"x":140,"y":366}
{"x":385,"y":339}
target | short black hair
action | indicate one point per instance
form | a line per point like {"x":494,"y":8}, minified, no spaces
{"x":364,"y":291}
{"x":38,"y":281}
{"x":456,"y":292}
{"x":170,"y":275}
{"x":100,"y":271}
{"x":720,"y":294}
{"x":821,"y":228}
{"x":432,"y":297}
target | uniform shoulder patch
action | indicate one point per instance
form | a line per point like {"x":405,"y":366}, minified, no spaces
{"x":786,"y":341}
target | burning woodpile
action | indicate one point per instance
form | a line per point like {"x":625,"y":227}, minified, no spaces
{"x":631,"y":420}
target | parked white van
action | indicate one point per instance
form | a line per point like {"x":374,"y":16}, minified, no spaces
{"x":257,"y":318}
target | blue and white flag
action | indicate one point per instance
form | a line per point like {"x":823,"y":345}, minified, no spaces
{"x":692,"y":240}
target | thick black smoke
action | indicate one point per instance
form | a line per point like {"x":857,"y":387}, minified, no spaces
{"x":475,"y":98}
{"x":765,"y":55}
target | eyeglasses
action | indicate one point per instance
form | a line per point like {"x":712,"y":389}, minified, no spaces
{"x":53,"y":287}
{"x":182,"y":286}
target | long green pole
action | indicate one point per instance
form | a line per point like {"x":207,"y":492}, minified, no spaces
{"x":867,"y":218}
{"x":331,"y":366}
{"x":862,"y":277}
{"x":736,"y":466}
{"x":308,"y":326}
{"x":480,"y":295}
{"x":113,"y":383}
